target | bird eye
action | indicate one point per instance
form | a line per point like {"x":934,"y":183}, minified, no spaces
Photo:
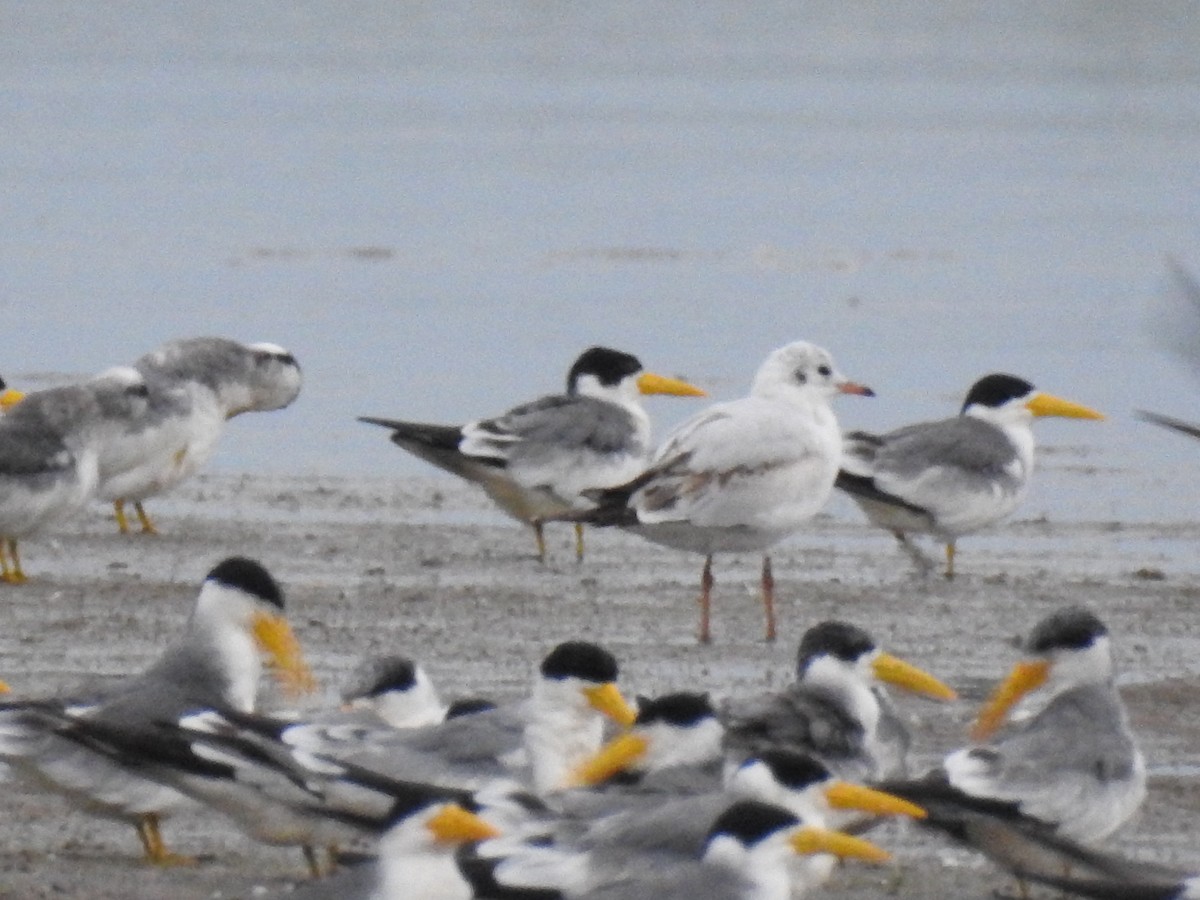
{"x":825,"y":371}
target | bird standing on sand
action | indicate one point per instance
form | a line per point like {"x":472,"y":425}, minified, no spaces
{"x":536,"y":459}
{"x":741,"y":475}
{"x":195,"y":386}
{"x":953,"y":476}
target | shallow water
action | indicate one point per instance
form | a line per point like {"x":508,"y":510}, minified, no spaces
{"x":437,"y":206}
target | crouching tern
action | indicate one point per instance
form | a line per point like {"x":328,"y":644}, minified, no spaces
{"x":238,"y":619}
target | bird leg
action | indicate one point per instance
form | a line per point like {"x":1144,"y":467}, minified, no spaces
{"x":119,"y":513}
{"x":541,"y":541}
{"x":579,"y":542}
{"x":10,"y":563}
{"x":950,"y":560}
{"x":768,"y":596}
{"x":706,"y":586}
{"x":313,"y":861}
{"x":920,"y":559}
{"x":156,"y":850}
{"x":147,"y":525}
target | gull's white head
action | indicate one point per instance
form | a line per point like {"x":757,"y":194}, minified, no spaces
{"x":801,"y":369}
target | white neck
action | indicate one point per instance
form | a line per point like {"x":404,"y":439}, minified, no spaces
{"x":561,"y":731}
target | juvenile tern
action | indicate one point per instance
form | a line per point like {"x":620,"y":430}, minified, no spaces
{"x":237,"y":619}
{"x":953,"y":476}
{"x":195,"y":386}
{"x":1066,"y":761}
{"x":836,"y":709}
{"x":741,"y":475}
{"x":535,"y":460}
{"x":48,"y":455}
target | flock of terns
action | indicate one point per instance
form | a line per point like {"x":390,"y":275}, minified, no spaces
{"x":575,"y":792}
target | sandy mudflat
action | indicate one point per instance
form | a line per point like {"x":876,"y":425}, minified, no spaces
{"x":425,"y":567}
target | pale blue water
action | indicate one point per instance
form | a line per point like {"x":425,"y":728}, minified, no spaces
{"x":436,"y":206}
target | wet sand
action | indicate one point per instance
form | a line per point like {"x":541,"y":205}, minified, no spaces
{"x":426,"y":567}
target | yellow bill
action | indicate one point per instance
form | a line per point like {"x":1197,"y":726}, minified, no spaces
{"x":454,"y":825}
{"x":1048,"y":405}
{"x":4,"y":688}
{"x":276,"y":639}
{"x":607,"y":698}
{"x":1024,"y":677}
{"x":844,"y":795}
{"x":649,"y":383}
{"x":811,"y":839}
{"x":10,"y":398}
{"x":896,"y":671}
{"x":613,"y":758}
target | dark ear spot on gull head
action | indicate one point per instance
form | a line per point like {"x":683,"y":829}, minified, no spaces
{"x":607,"y":365}
{"x":580,"y":659}
{"x":997,"y":389}
{"x":1073,"y":628}
{"x":840,"y":639}
{"x":249,"y":576}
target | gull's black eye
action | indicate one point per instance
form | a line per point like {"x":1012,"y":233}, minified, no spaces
{"x":825,"y":371}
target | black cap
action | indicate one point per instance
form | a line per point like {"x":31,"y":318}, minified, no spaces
{"x":249,"y":576}
{"x":751,"y":821}
{"x":841,"y":639}
{"x":1073,"y":628}
{"x":682,"y":709}
{"x":607,"y":365}
{"x":580,"y":659}
{"x":997,"y":389}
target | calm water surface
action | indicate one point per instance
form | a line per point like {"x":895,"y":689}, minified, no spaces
{"x":436,"y":206}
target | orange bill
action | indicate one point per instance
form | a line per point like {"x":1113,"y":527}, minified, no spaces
{"x":454,"y":825}
{"x":1048,"y":405}
{"x":844,"y":795}
{"x":896,"y":671}
{"x":276,"y":639}
{"x":1024,"y":677}
{"x":617,"y":756}
{"x":606,"y":698}
{"x":811,"y":839}
{"x":649,"y":383}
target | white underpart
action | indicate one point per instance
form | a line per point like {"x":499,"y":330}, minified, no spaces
{"x":562,"y":730}
{"x":764,"y":868}
{"x":224,"y":616}
{"x":413,"y":865}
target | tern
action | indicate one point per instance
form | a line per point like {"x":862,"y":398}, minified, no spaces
{"x":953,"y":476}
{"x":535,"y":460}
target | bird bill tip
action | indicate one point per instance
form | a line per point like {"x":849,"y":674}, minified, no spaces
{"x":650,"y":383}
{"x":276,"y":639}
{"x":896,"y":671}
{"x":617,"y":756}
{"x":853,"y":387}
{"x":455,"y":825}
{"x":810,"y":839}
{"x":1024,"y":677}
{"x":1048,"y":405}
{"x":844,"y":795}
{"x":4,"y":688}
{"x":607,"y":699}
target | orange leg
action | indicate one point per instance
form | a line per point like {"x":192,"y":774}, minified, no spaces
{"x":706,"y":586}
{"x":768,"y":596}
